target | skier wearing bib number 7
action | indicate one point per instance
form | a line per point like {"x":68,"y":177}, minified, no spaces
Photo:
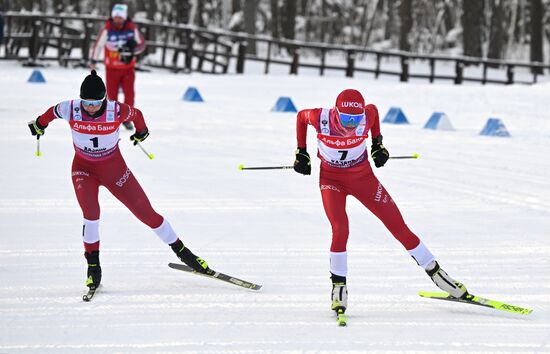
{"x":94,"y":122}
{"x":342,"y":133}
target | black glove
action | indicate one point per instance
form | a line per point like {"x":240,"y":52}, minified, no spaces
{"x":378,"y":152}
{"x":302,"y":164}
{"x":36,"y":128}
{"x":138,"y":137}
{"x":126,"y":51}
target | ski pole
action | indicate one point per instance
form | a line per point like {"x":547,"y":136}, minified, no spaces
{"x":150,"y":156}
{"x":413,"y":156}
{"x":241,"y":167}
{"x":38,"y":152}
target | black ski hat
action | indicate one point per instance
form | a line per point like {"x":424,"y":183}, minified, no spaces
{"x":92,"y":87}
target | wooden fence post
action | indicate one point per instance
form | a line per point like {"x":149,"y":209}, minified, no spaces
{"x":7,"y":34}
{"x":484,"y":77}
{"x":215,"y":55}
{"x":85,"y":47}
{"x":33,"y":42}
{"x":60,"y":52}
{"x":189,"y":51}
{"x":241,"y":53}
{"x":404,"y":69}
{"x":268,"y":59}
{"x":176,"y":54}
{"x":350,"y":68}
{"x":432,"y":70}
{"x":509,"y":74}
{"x":165,"y":44}
{"x":459,"y":69}
{"x":323,"y":62}
{"x":295,"y":61}
{"x":535,"y":74}
{"x":377,"y":70}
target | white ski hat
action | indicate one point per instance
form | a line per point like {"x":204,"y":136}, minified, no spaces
{"x":120,"y":10}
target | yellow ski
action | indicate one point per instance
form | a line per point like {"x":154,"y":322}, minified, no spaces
{"x":476,"y":300}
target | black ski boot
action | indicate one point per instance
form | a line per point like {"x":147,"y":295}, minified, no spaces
{"x":94,"y":269}
{"x":186,"y":256}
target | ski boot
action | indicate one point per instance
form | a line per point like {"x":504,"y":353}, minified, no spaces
{"x":339,"y":294}
{"x":94,"y":269}
{"x":186,"y":256}
{"x":445,"y":282}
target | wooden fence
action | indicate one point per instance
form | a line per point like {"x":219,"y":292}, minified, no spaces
{"x":188,"y":48}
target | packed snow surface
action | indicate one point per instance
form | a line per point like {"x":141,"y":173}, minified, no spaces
{"x":481,"y":204}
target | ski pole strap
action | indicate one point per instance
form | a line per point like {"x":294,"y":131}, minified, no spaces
{"x":241,"y":167}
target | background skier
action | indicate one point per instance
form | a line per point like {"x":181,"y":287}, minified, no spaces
{"x":122,"y":41}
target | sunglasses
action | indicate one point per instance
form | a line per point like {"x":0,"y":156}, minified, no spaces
{"x":350,"y":120}
{"x":92,"y":103}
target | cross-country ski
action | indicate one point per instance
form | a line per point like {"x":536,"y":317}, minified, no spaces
{"x":217,"y":275}
{"x":477,"y":300}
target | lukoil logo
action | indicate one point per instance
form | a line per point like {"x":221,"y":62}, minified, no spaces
{"x":352,"y":104}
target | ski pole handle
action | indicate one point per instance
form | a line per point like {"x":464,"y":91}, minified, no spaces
{"x":150,"y":156}
{"x":38,"y":152}
{"x":241,"y":167}
{"x":413,"y":156}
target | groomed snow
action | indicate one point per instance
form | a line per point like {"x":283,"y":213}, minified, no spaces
{"x":481,"y":204}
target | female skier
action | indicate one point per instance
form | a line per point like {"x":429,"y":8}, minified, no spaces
{"x":94,"y":123}
{"x":345,"y":170}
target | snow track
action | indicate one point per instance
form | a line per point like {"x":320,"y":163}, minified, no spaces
{"x":480,"y":204}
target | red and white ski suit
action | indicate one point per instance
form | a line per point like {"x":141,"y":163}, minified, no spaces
{"x":98,"y":162}
{"x":345,"y":170}
{"x":118,"y":73}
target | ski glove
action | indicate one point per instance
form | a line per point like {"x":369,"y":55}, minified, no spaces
{"x":378,"y":152}
{"x":126,"y":51}
{"x":302,"y":164}
{"x":138,"y":137}
{"x":36,"y":128}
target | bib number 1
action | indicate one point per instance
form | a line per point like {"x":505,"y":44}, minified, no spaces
{"x":95,"y":141}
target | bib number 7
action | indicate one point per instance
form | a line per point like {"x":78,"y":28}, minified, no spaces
{"x":344,"y":154}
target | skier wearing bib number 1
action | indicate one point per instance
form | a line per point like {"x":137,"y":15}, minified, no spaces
{"x":94,"y":123}
{"x":345,"y":170}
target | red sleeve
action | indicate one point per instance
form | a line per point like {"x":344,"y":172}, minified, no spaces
{"x":305,"y":117}
{"x":130,"y":114}
{"x":130,"y":25}
{"x":47,"y":117}
{"x":372,"y":113}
